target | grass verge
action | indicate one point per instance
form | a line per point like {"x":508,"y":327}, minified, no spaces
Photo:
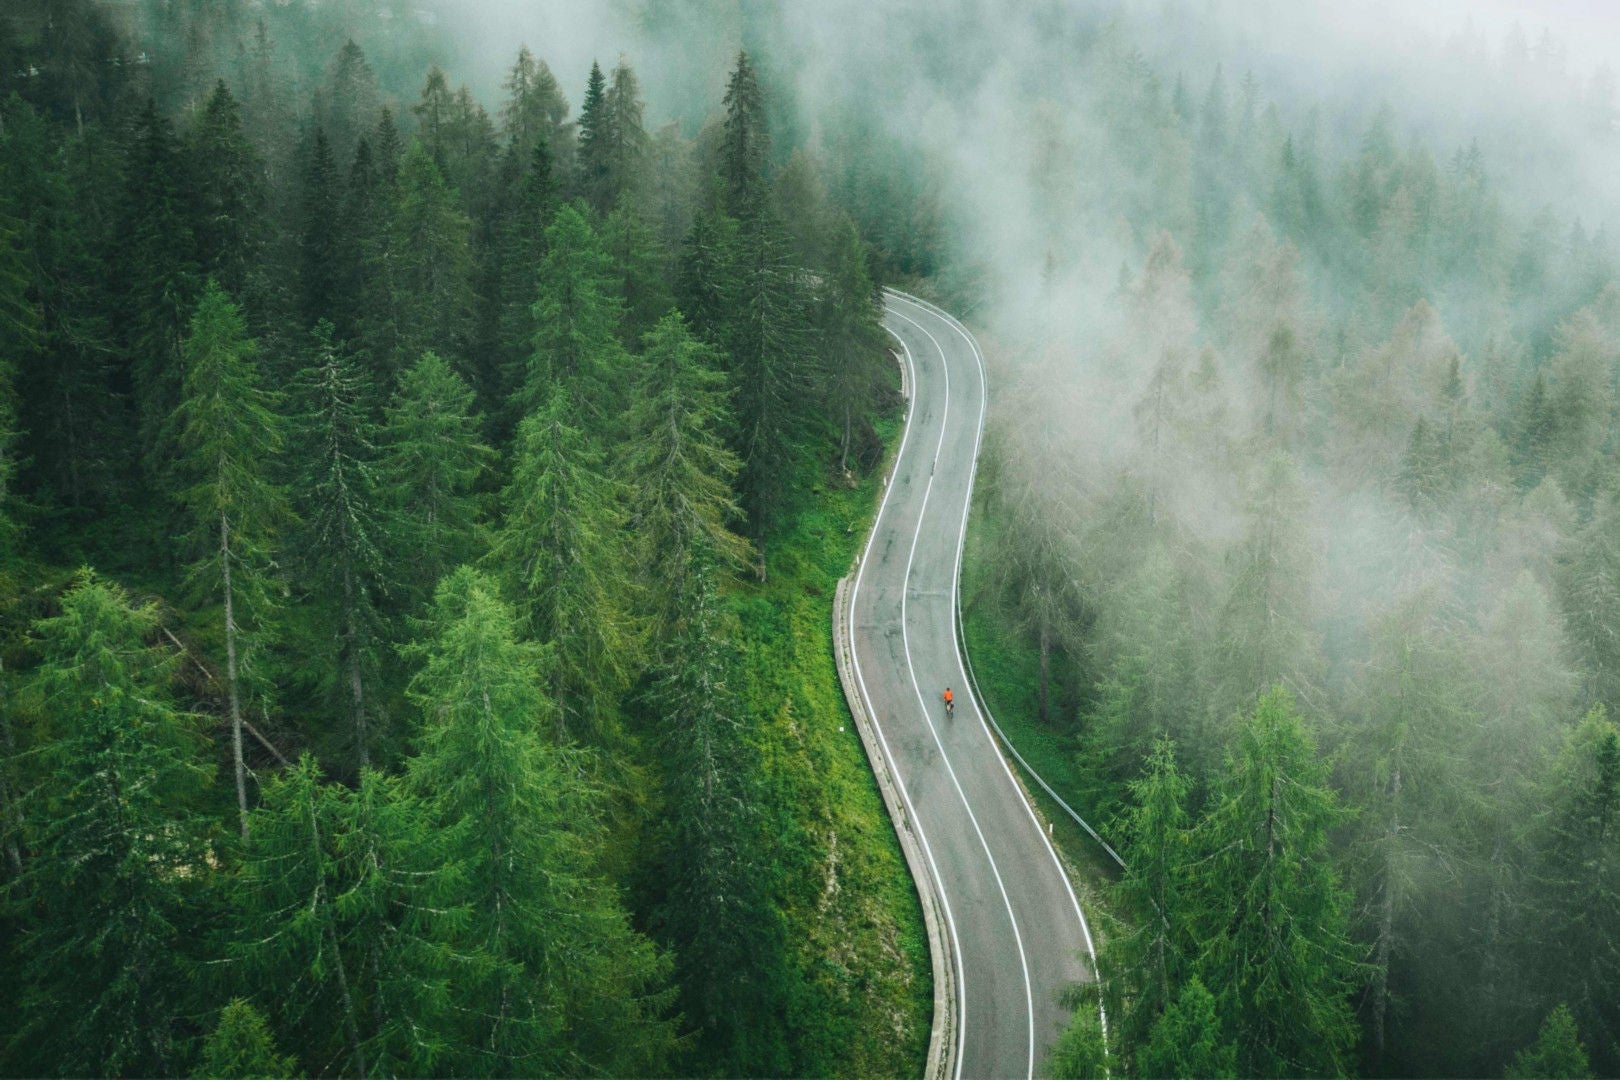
{"x":857,"y":989}
{"x":1007,"y":665}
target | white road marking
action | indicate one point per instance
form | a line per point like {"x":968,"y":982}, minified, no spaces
{"x":1018,"y":938}
{"x":961,"y":543}
{"x":894,"y":765}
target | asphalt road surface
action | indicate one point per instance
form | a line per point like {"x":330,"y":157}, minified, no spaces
{"x":1018,"y":934}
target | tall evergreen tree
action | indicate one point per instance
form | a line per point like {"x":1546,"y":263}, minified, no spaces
{"x":852,"y":338}
{"x":286,"y":900}
{"x":640,"y":267}
{"x":241,"y":1045}
{"x":319,"y":261}
{"x":227,"y":195}
{"x":1270,"y":912}
{"x":433,"y":118}
{"x":341,"y":508}
{"x":773,"y":370}
{"x":19,"y":345}
{"x":228,"y":434}
{"x":1148,"y":964}
{"x":1557,"y":1052}
{"x":712,"y":883}
{"x":112,"y":885}
{"x":625,"y":155}
{"x":678,"y":470}
{"x":1575,"y":912}
{"x":431,"y":462}
{"x":594,"y":161}
{"x":520,"y":246}
{"x":1589,"y":592}
{"x":155,"y":270}
{"x":348,"y":101}
{"x":422,"y":285}
{"x":745,"y":143}
{"x":562,"y":551}
{"x":562,"y":983}
{"x":535,"y":107}
{"x":357,"y":253}
{"x":577,"y":316}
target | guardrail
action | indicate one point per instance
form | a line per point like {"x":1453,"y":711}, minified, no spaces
{"x":942,"y":1038}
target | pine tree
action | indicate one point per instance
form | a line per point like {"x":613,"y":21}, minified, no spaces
{"x":1557,"y":1053}
{"x":535,"y":107}
{"x":1265,"y":635}
{"x":640,"y":267}
{"x":712,"y":898}
{"x":853,"y":341}
{"x":430,"y":466}
{"x":20,"y":327}
{"x":1575,"y":915}
{"x":423,"y":285}
{"x":706,"y":277}
{"x":319,"y":240}
{"x":228,"y":435}
{"x":286,"y":900}
{"x":348,"y":101}
{"x":561,"y":551}
{"x":433,"y":118}
{"x":677,"y":469}
{"x":340,"y":505}
{"x":387,"y":148}
{"x":1148,"y":965}
{"x":1588,"y":579}
{"x":357,"y":253}
{"x":745,"y":143}
{"x":595,"y":142}
{"x":773,"y":372}
{"x":577,"y":315}
{"x":116,"y":851}
{"x":1187,"y":1039}
{"x":155,"y":270}
{"x":227,"y":195}
{"x":1269,"y":908}
{"x":520,"y":247}
{"x":401,"y":917}
{"x":70,"y":383}
{"x":241,"y":1045}
{"x":625,"y":155}
{"x":561,"y":982}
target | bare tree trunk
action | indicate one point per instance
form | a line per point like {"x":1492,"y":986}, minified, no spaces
{"x":843,"y":460}
{"x":1046,"y":667}
{"x":350,"y":1028}
{"x":356,"y":687}
{"x":230,"y":674}
{"x":1386,"y":923}
{"x":13,"y":853}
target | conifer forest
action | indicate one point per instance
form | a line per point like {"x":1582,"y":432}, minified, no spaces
{"x":432,"y":434}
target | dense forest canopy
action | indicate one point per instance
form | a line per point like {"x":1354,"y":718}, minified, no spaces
{"x":424,"y":457}
{"x":393,"y":481}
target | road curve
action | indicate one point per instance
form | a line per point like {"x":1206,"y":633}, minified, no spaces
{"x":1013,"y":926}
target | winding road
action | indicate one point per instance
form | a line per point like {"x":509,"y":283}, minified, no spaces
{"x":1000,"y":904}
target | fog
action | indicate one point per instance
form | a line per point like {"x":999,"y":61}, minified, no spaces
{"x":1303,"y":372}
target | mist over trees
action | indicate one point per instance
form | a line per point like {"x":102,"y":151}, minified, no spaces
{"x":412,"y":718}
{"x":1303,"y":413}
{"x":437,"y":446}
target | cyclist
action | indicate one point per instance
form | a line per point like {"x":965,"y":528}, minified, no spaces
{"x":950,"y":702}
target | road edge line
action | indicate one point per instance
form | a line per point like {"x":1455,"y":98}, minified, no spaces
{"x":942,"y":1044}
